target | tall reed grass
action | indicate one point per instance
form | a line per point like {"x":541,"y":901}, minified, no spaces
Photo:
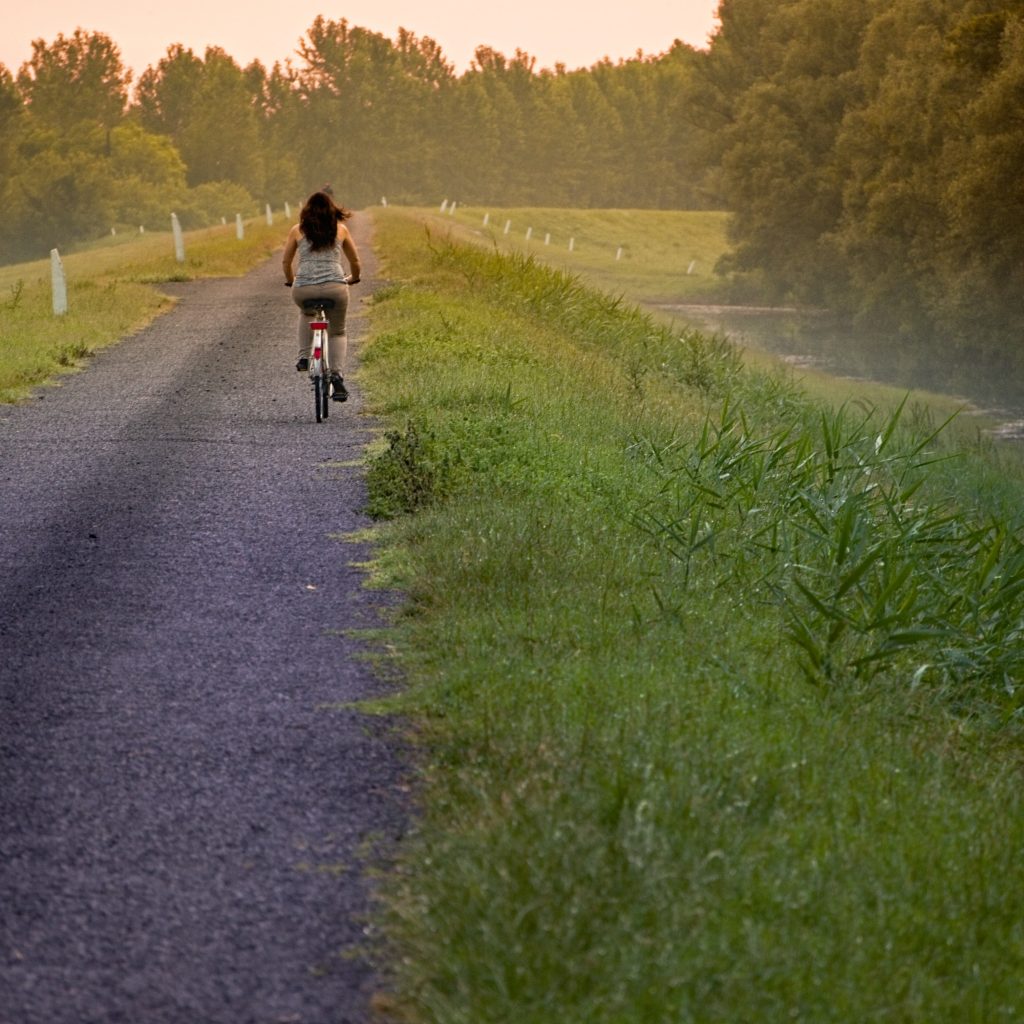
{"x":833,"y":519}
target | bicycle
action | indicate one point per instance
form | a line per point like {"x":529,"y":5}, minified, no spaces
{"x":320,"y":375}
{"x":319,"y":354}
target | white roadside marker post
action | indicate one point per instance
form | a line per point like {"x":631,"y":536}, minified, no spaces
{"x":60,"y":284}
{"x":179,"y":239}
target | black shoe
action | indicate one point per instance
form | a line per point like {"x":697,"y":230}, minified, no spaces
{"x":340,"y":394}
{"x":302,"y":364}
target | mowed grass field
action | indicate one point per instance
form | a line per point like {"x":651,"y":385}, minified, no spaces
{"x":113,"y":290}
{"x":653,"y":256}
{"x":716,"y":687}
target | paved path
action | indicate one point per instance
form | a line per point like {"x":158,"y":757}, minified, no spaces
{"x":184,"y":807}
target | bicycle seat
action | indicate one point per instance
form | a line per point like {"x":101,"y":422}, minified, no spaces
{"x":318,"y":303}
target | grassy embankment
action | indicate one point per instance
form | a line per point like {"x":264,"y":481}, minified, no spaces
{"x":716,"y":685}
{"x":668,"y":257}
{"x":110,"y":295}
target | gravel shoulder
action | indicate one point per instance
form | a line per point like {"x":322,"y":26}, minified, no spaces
{"x":187,"y":805}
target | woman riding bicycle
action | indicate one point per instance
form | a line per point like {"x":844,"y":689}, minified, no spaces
{"x":318,"y":240}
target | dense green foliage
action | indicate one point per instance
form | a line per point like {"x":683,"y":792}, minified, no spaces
{"x":719,"y":689}
{"x":870,"y":151}
{"x":76,"y":162}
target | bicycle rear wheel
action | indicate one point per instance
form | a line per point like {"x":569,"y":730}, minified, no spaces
{"x":319,"y":397}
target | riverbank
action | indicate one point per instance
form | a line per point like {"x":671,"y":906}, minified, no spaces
{"x":822,"y":352}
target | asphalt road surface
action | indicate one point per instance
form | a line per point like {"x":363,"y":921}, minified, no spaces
{"x":187,"y":806}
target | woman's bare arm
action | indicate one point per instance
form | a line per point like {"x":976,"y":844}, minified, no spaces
{"x":351,"y":254}
{"x":290,"y":247}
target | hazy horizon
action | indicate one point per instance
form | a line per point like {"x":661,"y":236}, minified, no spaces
{"x":570,"y":33}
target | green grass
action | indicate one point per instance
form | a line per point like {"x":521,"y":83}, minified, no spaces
{"x":667,"y":256}
{"x":717,"y":688}
{"x":111,"y":293}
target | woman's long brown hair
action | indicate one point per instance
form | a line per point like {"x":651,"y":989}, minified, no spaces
{"x":319,"y":220}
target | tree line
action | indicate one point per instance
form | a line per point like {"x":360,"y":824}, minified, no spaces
{"x":83,"y":148}
{"x":870,"y":151}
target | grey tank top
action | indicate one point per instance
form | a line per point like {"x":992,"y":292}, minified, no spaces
{"x":318,"y":266}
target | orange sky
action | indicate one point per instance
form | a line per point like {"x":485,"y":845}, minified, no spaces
{"x":573,"y":32}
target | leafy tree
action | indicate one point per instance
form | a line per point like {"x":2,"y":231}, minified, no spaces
{"x":283,"y":124}
{"x":506,"y":84}
{"x":870,"y":152}
{"x":556,"y":139}
{"x":598,"y":177}
{"x":11,"y":120}
{"x":57,"y":187}
{"x":11,"y":127}
{"x":72,"y":165}
{"x":59,"y":195}
{"x":777,"y":150}
{"x":345,"y":80}
{"x":209,"y":108}
{"x":165,"y":94}
{"x":983,"y":273}
{"x":213,"y":200}
{"x":221,"y":140}
{"x":470,"y":160}
{"x":373,"y":103}
{"x":890,"y":149}
{"x":75,"y":82}
{"x":147,"y":175}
